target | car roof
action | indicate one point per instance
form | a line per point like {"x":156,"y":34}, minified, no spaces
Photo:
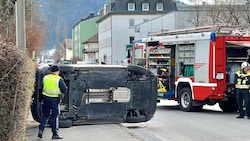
{"x":75,"y":67}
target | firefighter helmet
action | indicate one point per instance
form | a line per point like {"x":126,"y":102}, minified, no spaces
{"x":244,"y":64}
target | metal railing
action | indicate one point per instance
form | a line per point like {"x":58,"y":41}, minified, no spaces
{"x":219,"y":29}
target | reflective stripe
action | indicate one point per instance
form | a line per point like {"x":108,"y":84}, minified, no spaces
{"x":51,"y":85}
{"x":239,"y":72}
{"x":242,"y":81}
{"x":50,"y":95}
{"x":242,"y":86}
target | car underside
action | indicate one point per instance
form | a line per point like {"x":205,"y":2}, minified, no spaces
{"x":101,"y":93}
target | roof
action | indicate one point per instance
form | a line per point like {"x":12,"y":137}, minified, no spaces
{"x":120,"y":7}
{"x":93,"y":39}
{"x":89,"y":17}
{"x":68,"y":43}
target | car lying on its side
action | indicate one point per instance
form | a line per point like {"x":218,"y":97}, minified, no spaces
{"x":101,"y":93}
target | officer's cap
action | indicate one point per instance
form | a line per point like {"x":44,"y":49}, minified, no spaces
{"x":54,"y":68}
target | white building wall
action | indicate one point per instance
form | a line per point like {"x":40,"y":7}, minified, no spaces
{"x":69,"y":54}
{"x":156,"y":24}
{"x":121,"y":32}
{"x":181,"y":20}
{"x":104,"y":39}
{"x":170,"y":21}
{"x":91,"y":55}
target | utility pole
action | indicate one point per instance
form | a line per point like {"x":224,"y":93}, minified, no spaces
{"x":20,"y":25}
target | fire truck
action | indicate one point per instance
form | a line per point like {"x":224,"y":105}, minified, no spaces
{"x":195,"y":66}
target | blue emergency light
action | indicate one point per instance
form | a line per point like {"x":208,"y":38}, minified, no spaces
{"x":139,"y":40}
{"x":213,"y":36}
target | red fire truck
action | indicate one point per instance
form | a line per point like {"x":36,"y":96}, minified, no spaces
{"x":195,"y":66}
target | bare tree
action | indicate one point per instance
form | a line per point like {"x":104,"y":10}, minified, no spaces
{"x":7,"y":19}
{"x":197,"y":14}
{"x":195,"y":17}
{"x":233,"y":12}
{"x":213,"y":14}
{"x":59,"y":48}
{"x":246,"y":14}
{"x":65,"y":36}
{"x":34,"y":28}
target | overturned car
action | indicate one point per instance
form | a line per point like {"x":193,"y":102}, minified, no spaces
{"x":101,"y":93}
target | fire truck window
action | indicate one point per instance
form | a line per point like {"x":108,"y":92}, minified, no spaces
{"x":182,"y":67}
{"x":153,"y":43}
{"x":232,"y":52}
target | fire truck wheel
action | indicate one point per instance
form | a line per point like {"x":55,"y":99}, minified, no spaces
{"x":185,"y":100}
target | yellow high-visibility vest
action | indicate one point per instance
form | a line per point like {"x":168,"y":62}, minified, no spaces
{"x":51,"y":85}
{"x":242,"y":82}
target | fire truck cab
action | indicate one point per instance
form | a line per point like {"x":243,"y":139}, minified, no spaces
{"x":195,"y":66}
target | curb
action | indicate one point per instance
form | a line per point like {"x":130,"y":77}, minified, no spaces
{"x":31,"y":123}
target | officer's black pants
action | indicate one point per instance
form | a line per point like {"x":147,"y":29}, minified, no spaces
{"x":50,"y":108}
{"x":243,"y":101}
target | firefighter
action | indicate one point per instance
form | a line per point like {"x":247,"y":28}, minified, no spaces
{"x":242,"y":81}
{"x":53,"y":88}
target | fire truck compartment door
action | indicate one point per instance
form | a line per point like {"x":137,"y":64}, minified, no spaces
{"x":240,"y":43}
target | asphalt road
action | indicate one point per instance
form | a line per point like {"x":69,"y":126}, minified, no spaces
{"x":105,"y":132}
{"x":171,"y":124}
{"x":168,"y":124}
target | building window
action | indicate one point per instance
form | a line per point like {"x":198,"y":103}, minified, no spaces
{"x":83,"y":51}
{"x":105,"y":59}
{"x":145,"y":6}
{"x":92,"y":55}
{"x":131,"y":22}
{"x":159,"y":6}
{"x":131,"y":6}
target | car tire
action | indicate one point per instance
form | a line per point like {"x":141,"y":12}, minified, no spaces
{"x":65,"y":123}
{"x":135,"y":119}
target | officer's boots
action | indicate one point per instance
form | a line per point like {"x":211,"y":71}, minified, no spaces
{"x":40,"y":132}
{"x":56,"y":136}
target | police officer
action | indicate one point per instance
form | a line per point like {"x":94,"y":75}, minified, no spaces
{"x":242,"y":81}
{"x":53,"y":88}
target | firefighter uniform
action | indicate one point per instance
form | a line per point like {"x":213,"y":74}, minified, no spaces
{"x":53,"y":86}
{"x":242,"y":81}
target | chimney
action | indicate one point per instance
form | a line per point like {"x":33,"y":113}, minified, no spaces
{"x":91,"y":15}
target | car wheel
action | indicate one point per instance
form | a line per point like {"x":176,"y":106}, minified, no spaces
{"x":65,"y":123}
